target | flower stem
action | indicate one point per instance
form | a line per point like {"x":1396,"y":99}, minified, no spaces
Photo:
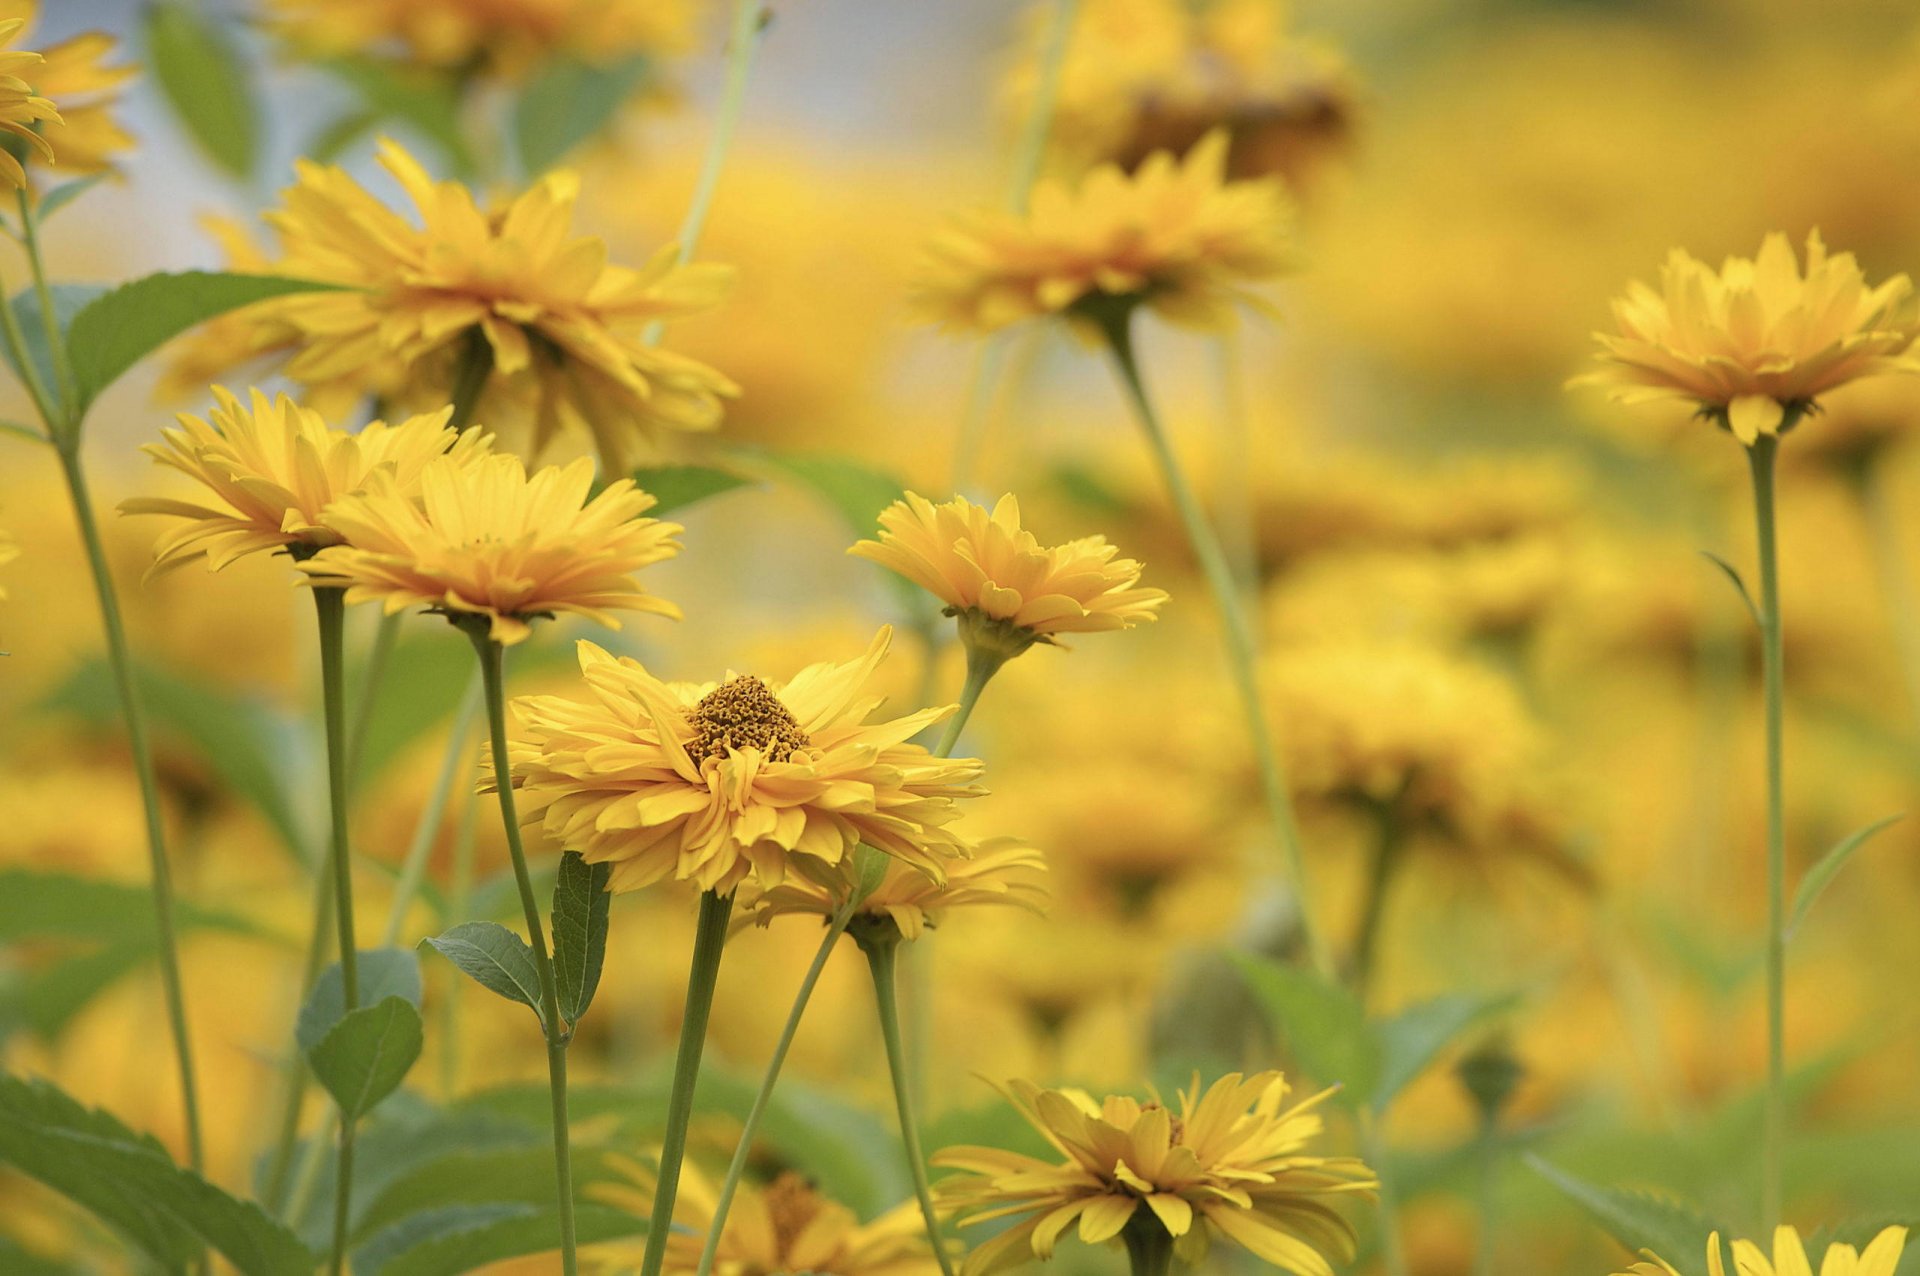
{"x":1760,"y":458}
{"x":1881,"y":511}
{"x":1386,"y":859}
{"x":1393,"y":1257}
{"x":1149,"y":1243}
{"x":384,"y":636}
{"x":981,"y":667}
{"x":493,"y":678}
{"x":469,"y":379}
{"x":836,"y":927}
{"x":414,"y":867}
{"x":881,"y":953}
{"x":459,"y":902}
{"x":710,"y":937}
{"x":1487,"y":1152}
{"x":121,"y":660}
{"x":1117,"y":326}
{"x":330,"y":607}
{"x":49,"y":317}
{"x":274,"y":1197}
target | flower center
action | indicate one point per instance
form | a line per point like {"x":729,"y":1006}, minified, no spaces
{"x":743,"y":713}
{"x":1176,"y":1128}
{"x":791,"y":1205}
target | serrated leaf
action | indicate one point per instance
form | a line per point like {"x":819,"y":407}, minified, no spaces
{"x":1320,"y":1023}
{"x":130,"y":1183}
{"x":121,"y":328}
{"x":567,"y":103}
{"x":580,"y":904}
{"x":209,"y":85}
{"x":1732,"y":573}
{"x":1638,"y":1220}
{"x":380,"y":973}
{"x":1821,"y":875}
{"x":60,"y":196}
{"x":675,"y":487}
{"x":495,"y":958}
{"x":464,"y":1238}
{"x":425,"y":102}
{"x":68,"y":301}
{"x":366,"y":1056}
{"x":1411,"y":1040}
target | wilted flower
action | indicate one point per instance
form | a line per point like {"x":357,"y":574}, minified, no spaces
{"x":1001,"y":870}
{"x":1881,"y":1258}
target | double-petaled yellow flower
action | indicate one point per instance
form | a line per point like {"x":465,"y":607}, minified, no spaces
{"x":1174,"y":235}
{"x":483,"y":539}
{"x":1880,"y":1258}
{"x":715,"y":783}
{"x":1232,"y":1160}
{"x":271,"y":469}
{"x":84,"y":137}
{"x":22,"y":110}
{"x":999,"y":871}
{"x":1756,"y":343}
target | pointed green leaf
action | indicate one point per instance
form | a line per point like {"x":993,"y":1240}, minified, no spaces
{"x":675,"y":487}
{"x":60,"y":196}
{"x":580,"y":903}
{"x":121,"y":328}
{"x":1732,"y":573}
{"x":464,"y":1238}
{"x":567,"y":103}
{"x":1821,"y":875}
{"x":496,"y":959}
{"x":1639,"y":1220}
{"x":26,"y":432}
{"x":44,"y":904}
{"x":365,"y":1056}
{"x":68,"y":301}
{"x":516,"y":1173}
{"x":1411,"y":1040}
{"x":381,"y":973}
{"x":426,"y":103}
{"x":203,"y":76}
{"x":856,"y":490}
{"x":1320,"y":1023}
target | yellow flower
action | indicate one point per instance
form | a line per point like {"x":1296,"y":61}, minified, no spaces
{"x":21,"y":109}
{"x":272,"y":468}
{"x":1232,"y":1160}
{"x":1173,"y":235}
{"x":1880,"y":1258}
{"x":1755,"y":345}
{"x":1000,"y":870}
{"x":8,"y":552}
{"x":715,"y":783}
{"x":84,"y":138}
{"x":484,"y":539}
{"x":985,"y":566}
{"x":562,"y":329}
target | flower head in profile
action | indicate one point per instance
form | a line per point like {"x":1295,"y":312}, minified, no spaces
{"x":712,"y":783}
{"x":1000,"y":871}
{"x":76,"y":76}
{"x":1233,"y":1160}
{"x":512,"y":301}
{"x":1173,"y":235}
{"x":1001,"y":582}
{"x":484,"y":540}
{"x":1755,"y":344}
{"x":1880,"y":1258}
{"x":22,"y":109}
{"x":270,"y":468}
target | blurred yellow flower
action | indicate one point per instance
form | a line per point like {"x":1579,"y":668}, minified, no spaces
{"x":1001,"y":870}
{"x":272,"y":467}
{"x":1174,"y":235}
{"x":8,"y":552}
{"x":553,"y":332}
{"x":21,"y":109}
{"x":1755,"y":344}
{"x":715,"y":783}
{"x":84,"y":138}
{"x":482,"y":538}
{"x":985,"y":563}
{"x":1232,"y":1160}
{"x":1880,"y":1258}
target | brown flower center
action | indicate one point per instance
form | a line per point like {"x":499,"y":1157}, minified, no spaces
{"x":791,"y":1205}
{"x":743,"y":713}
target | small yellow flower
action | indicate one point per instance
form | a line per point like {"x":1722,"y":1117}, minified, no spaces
{"x":1232,"y":1160}
{"x":1880,"y":1258}
{"x":998,"y":871}
{"x":22,"y":110}
{"x":272,"y":468}
{"x":85,"y":137}
{"x":1756,"y":344}
{"x":985,"y":567}
{"x":482,"y":538}
{"x":1174,"y":235}
{"x":714,"y":783}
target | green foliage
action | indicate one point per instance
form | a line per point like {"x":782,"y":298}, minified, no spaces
{"x":567,"y":103}
{"x":130,"y":1183}
{"x":1321,"y":1024}
{"x":207,"y":82}
{"x":68,"y":301}
{"x":520,"y":1173}
{"x":495,"y":958}
{"x":1411,"y":1040}
{"x":675,"y":487}
{"x":854,"y":489}
{"x":580,"y":904}
{"x":1639,"y":1220}
{"x":426,"y":103}
{"x":382,"y":973}
{"x":462,"y":1238}
{"x":364,"y":1057}
{"x":1821,"y":875}
{"x":60,"y":196}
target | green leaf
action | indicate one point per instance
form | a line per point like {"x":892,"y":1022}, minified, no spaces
{"x":463,"y":1238}
{"x":365,"y":1056}
{"x":42,"y":904}
{"x":209,"y":85}
{"x":26,"y":432}
{"x":1320,"y":1023}
{"x":330,"y":142}
{"x":68,"y":301}
{"x":381,"y":973}
{"x":16,"y":1261}
{"x":427,"y":103}
{"x":517,"y":1174}
{"x":426,"y":673}
{"x":1639,"y":1220}
{"x":1411,"y":1040}
{"x":675,"y":487}
{"x":1821,"y":875}
{"x":44,"y":998}
{"x":580,"y":903}
{"x":130,"y":1183}
{"x":60,"y":196}
{"x":1732,"y":573}
{"x":123,"y":327}
{"x":496,"y":959}
{"x":854,"y":489}
{"x":567,"y":103}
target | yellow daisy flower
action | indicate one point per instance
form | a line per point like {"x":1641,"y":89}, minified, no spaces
{"x":482,"y":538}
{"x":85,"y":137}
{"x":714,"y":783}
{"x":1001,"y":870}
{"x":560,"y":327}
{"x":1880,"y":1258}
{"x":271,"y":468}
{"x":22,"y":110}
{"x":1232,"y":1160}
{"x":1756,"y":344}
{"x":1174,"y":235}
{"x":992,"y":573}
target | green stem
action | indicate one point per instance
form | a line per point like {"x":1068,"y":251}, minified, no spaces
{"x":384,"y":635}
{"x":981,"y":666}
{"x":1149,"y":1243}
{"x":459,"y":903}
{"x":295,"y":1071}
{"x":1234,"y":490}
{"x":881,"y":953}
{"x":1393,"y":1257}
{"x":1384,"y":863}
{"x":1760,"y":457}
{"x":469,"y":379}
{"x":121,"y":660}
{"x":710,"y":937}
{"x":835,"y":928}
{"x":1878,"y":506}
{"x":330,"y":606}
{"x":1488,"y":1154}
{"x":49,"y":317}
{"x":413,"y":869}
{"x":1116,"y":323}
{"x":492,"y":675}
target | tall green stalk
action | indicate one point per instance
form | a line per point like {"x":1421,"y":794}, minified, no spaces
{"x":492,"y":676}
{"x":709,"y":940}
{"x":1881,"y":510}
{"x":881,"y":944}
{"x":330,"y":607}
{"x":981,"y":666}
{"x":1116,"y":324}
{"x":1761,"y":455}
{"x":1381,"y":871}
